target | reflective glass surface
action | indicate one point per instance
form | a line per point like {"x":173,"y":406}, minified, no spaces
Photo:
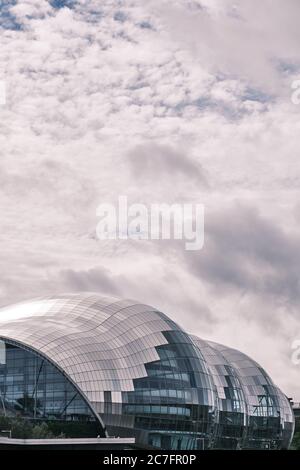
{"x":143,"y":376}
{"x":31,"y":387}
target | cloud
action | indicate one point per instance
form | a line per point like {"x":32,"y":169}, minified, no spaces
{"x":247,"y":251}
{"x":161,"y":101}
{"x":30,"y":9}
{"x":230,"y":37}
{"x":152,"y":160}
{"x":93,"y":280}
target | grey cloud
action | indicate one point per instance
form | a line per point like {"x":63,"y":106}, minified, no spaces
{"x":246,"y":251}
{"x":93,"y":280}
{"x":152,"y":160}
{"x":100,"y":279}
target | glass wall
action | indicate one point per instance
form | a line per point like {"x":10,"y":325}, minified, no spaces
{"x":174,"y":403}
{"x":269,"y":417}
{"x":32,"y":387}
{"x":232,"y":409}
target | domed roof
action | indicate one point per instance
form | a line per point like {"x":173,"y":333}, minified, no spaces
{"x":134,"y":364}
{"x":85,"y":335}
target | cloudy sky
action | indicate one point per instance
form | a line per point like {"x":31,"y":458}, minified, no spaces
{"x":163,"y":101}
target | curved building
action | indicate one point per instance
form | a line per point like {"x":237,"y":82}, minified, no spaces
{"x":121,"y":368}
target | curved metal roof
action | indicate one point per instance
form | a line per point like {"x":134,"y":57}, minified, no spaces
{"x":93,"y":339}
{"x":108,"y":345}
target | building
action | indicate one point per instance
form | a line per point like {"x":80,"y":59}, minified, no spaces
{"x":296,"y":409}
{"x":98,"y":366}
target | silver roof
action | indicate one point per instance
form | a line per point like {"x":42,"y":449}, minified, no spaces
{"x":105,"y":344}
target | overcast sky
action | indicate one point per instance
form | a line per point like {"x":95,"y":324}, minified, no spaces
{"x":162,"y":101}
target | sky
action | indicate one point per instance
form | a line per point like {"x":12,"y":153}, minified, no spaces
{"x":163,"y":101}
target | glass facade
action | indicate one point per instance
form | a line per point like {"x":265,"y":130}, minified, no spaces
{"x":232,"y":407}
{"x":32,"y":387}
{"x":174,"y":403}
{"x":269,"y":419}
{"x":138,"y":373}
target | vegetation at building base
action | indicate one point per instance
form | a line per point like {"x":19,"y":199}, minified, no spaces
{"x":25,"y":429}
{"x":296,"y":441}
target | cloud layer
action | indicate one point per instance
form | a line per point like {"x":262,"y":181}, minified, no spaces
{"x":182,"y":101}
